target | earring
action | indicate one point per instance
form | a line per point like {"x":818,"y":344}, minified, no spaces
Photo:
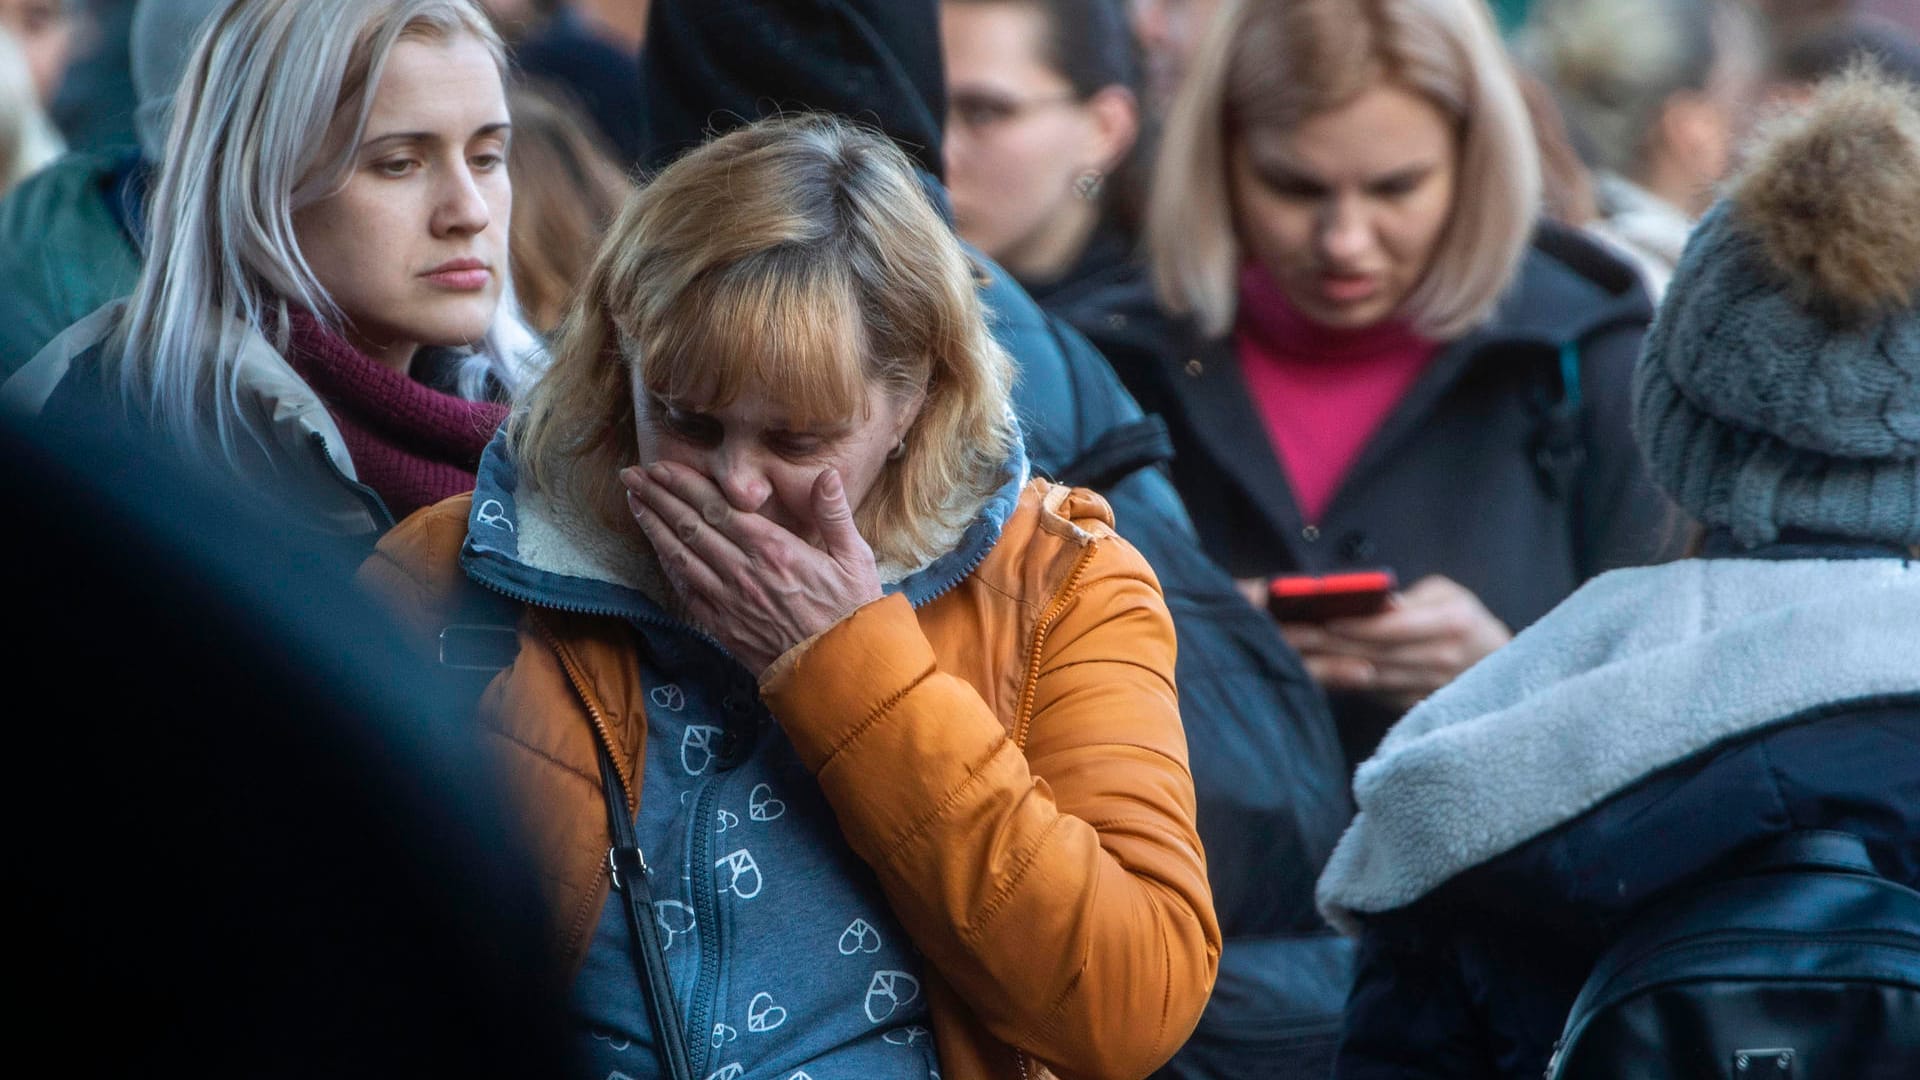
{"x":1089,"y":183}
{"x":899,"y":450}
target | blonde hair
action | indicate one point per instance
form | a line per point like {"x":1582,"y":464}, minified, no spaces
{"x":267,"y":121}
{"x":1275,"y":63}
{"x":566,"y":191}
{"x":799,"y":255}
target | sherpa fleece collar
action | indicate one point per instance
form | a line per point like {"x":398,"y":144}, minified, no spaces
{"x":1636,"y":671}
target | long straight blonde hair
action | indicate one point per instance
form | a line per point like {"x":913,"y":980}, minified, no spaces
{"x":802,"y":256}
{"x":267,"y":120}
{"x":1274,"y":64}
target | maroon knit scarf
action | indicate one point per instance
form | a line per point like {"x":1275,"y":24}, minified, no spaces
{"x":410,"y":443}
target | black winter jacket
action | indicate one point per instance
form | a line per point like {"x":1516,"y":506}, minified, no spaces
{"x":1508,"y":467}
{"x":1474,"y":978}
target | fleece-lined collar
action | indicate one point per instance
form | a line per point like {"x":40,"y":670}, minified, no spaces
{"x":1638,"y":670}
{"x":534,"y":549}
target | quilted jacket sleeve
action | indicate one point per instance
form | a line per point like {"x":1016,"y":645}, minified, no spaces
{"x":1060,"y":888}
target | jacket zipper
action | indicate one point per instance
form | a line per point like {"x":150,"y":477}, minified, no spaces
{"x":1031,"y":686}
{"x":706,"y":916}
{"x":641,"y":883}
{"x":370,"y":499}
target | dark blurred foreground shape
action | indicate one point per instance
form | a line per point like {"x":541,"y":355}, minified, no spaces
{"x":244,"y":843}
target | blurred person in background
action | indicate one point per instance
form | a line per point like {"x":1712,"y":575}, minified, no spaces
{"x":893,"y":722}
{"x":1268,"y":774}
{"x":44,"y":31}
{"x":1667,"y":722}
{"x":27,"y":139}
{"x":95,"y":106}
{"x":71,"y":236}
{"x":1170,"y":32}
{"x":320,"y":311}
{"x":1656,"y":94}
{"x":566,"y":192}
{"x":1043,"y":115}
{"x":1800,"y":65}
{"x":591,"y":51}
{"x":1372,"y":352}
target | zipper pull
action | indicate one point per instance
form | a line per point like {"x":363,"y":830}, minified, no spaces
{"x":632,"y":860}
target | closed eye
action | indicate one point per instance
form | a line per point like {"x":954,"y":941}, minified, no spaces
{"x":693,"y":427}
{"x":1290,"y":185}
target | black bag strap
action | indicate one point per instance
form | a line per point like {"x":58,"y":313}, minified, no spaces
{"x":1812,"y":849}
{"x":483,"y":641}
{"x":1118,"y":453}
{"x":1559,"y":452}
{"x":631,"y":879}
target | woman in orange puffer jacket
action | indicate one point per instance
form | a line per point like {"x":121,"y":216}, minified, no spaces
{"x":895,"y":724}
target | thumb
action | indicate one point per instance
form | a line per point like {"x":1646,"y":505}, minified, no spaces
{"x":834,"y":517}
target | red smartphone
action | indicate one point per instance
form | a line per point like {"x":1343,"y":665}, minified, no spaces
{"x":1314,"y":598}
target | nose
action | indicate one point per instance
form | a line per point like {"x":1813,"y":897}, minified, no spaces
{"x":741,"y":477}
{"x":1344,"y":234}
{"x":461,"y":209}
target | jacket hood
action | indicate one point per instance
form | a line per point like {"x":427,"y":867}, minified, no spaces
{"x":538,"y":550}
{"x":709,"y":66}
{"x":1638,"y":670}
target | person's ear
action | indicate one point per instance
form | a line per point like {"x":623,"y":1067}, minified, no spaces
{"x":1115,"y":115}
{"x":910,"y":407}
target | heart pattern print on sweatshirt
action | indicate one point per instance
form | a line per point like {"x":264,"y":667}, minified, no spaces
{"x":817,"y":979}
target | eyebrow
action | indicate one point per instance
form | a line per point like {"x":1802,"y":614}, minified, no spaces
{"x":429,"y":136}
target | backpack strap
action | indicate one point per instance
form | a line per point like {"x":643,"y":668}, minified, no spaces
{"x":1559,"y":452}
{"x":1810,"y":849}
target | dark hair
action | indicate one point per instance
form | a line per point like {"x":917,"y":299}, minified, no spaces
{"x":1822,"y":55}
{"x":1090,"y":44}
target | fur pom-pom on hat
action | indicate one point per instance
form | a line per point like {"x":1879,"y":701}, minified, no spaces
{"x":1833,"y":196}
{"x":1779,"y":387}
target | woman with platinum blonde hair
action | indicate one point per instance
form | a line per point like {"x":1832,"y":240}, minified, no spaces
{"x":1372,"y":352}
{"x":321,"y":308}
{"x":779,"y":606}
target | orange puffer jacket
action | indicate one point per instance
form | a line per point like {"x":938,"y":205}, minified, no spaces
{"x":1041,"y":852}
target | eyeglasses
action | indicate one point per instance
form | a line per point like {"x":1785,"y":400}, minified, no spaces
{"x":982,"y":112}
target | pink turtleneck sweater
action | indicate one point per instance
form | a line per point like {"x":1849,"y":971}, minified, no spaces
{"x":1322,"y":392}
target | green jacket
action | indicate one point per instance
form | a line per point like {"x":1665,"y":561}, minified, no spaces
{"x":64,"y":251}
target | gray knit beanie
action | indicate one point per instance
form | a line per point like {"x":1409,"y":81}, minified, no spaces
{"x":1780,"y":383}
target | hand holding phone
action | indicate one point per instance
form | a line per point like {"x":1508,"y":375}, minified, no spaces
{"x":1421,"y":641}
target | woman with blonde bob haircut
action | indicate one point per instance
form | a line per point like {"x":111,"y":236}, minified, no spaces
{"x":1372,"y":352}
{"x":894,"y":725}
{"x":321,"y":305}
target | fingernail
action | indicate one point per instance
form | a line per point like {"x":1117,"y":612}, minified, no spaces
{"x":632,"y":478}
{"x":658,"y":472}
{"x":635,"y":507}
{"x":833,"y":487}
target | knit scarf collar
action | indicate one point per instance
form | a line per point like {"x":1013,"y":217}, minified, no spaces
{"x":412,"y":444}
{"x":1268,"y":321}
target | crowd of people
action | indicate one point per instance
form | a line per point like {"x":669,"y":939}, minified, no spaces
{"x":1004,"y":538}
